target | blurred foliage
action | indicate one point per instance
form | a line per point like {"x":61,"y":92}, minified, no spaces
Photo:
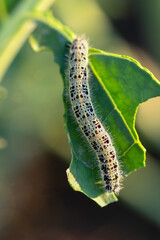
{"x":31,"y":91}
{"x":143,"y":194}
{"x":137,"y":21}
{"x":16,"y":28}
{"x":6,"y":7}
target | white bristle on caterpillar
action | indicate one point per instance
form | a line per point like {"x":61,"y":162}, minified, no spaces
{"x":90,"y":125}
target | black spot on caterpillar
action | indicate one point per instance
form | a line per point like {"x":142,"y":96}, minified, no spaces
{"x":90,"y":125}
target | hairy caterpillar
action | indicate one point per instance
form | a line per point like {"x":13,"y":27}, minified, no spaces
{"x":90,"y":125}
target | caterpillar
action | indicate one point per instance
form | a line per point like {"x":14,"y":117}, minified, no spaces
{"x":89,"y":123}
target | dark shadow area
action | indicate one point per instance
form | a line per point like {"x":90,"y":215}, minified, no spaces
{"x":44,"y":207}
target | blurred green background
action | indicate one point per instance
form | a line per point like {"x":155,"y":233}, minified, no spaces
{"x":36,"y":201}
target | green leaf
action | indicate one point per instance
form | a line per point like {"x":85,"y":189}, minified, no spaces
{"x":51,"y":35}
{"x":118,"y":85}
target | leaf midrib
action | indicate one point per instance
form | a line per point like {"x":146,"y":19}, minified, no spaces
{"x":115,"y":106}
